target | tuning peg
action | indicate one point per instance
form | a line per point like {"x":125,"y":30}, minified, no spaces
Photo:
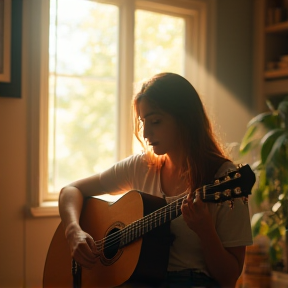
{"x":227,"y":178}
{"x":217,"y":195}
{"x":237,"y":190}
{"x":237,"y":175}
{"x":245,"y":200}
{"x":227,"y":193}
{"x":217,"y":181}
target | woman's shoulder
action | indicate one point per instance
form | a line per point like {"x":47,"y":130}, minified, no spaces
{"x":136,"y":160}
{"x":140,"y":157}
{"x":132,"y":160}
{"x":147,"y":159}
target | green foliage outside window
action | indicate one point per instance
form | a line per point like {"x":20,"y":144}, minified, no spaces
{"x":83,"y":60}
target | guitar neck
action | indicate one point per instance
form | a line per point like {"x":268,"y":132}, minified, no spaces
{"x":235,"y":184}
{"x":159,"y":217}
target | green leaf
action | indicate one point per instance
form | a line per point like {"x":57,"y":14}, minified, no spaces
{"x":283,"y":110}
{"x":267,"y":143}
{"x":274,"y":232}
{"x":248,"y":146}
{"x":256,"y":223}
{"x":258,"y":196}
{"x":270,"y":120}
{"x":285,"y":191}
{"x":275,"y":154}
{"x":262,"y":178}
{"x":246,"y":141}
{"x":257,"y":165}
{"x":270,"y":105}
{"x":260,"y":118}
{"x":283,"y":107}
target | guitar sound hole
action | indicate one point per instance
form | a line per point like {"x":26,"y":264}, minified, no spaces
{"x":111,"y":244}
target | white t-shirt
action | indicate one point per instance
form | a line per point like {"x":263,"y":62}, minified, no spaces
{"x":233,"y":226}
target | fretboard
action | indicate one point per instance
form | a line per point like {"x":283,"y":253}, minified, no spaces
{"x":142,"y":226}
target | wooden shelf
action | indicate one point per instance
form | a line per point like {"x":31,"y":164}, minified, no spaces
{"x":276,"y":86}
{"x":269,"y":52}
{"x":279,"y":73}
{"x":277,"y":28}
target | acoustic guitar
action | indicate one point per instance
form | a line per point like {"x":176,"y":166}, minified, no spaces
{"x":132,"y":235}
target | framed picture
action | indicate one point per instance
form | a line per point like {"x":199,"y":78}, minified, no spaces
{"x":5,"y":40}
{"x":10,"y":48}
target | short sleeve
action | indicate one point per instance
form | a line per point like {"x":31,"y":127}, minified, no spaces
{"x":232,"y":225}
{"x":121,"y":176}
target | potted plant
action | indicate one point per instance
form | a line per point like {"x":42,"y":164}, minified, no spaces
{"x":266,"y":139}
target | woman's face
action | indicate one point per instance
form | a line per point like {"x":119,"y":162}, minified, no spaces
{"x":159,"y":129}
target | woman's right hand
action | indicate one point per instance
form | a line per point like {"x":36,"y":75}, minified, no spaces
{"x":82,"y":246}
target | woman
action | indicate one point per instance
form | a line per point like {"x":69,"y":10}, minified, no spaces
{"x":180,"y":155}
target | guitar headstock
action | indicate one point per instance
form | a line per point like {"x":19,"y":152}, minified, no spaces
{"x":235,"y":184}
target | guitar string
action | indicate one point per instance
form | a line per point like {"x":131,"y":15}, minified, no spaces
{"x":126,"y":234}
{"x":144,"y":222}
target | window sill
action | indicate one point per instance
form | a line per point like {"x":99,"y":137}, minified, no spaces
{"x":46,"y":209}
{"x":50,"y":208}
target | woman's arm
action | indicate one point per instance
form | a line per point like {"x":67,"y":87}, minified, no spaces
{"x":224,"y":264}
{"x":71,"y":198}
{"x":82,"y":246}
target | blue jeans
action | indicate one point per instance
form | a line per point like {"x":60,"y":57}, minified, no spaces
{"x":189,"y":278}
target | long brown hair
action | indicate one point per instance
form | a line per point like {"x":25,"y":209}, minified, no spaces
{"x":175,"y":95}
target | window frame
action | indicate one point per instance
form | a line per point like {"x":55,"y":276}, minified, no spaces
{"x":36,"y":64}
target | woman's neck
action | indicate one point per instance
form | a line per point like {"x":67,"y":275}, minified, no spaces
{"x":172,"y":180}
{"x":173,"y":164}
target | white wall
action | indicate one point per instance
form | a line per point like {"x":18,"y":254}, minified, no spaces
{"x":23,"y":240}
{"x":233,"y":96}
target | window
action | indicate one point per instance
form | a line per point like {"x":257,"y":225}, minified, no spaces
{"x":89,"y":73}
{"x":83,"y":61}
{"x":159,"y":44}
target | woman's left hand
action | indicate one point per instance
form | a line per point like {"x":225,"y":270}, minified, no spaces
{"x":196,"y":214}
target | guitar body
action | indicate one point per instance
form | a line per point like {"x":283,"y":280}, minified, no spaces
{"x":143,"y":260}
